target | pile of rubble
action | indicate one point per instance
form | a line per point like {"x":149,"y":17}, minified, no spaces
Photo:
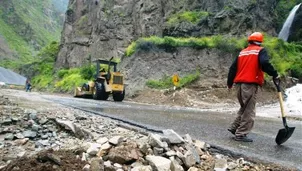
{"x":68,"y":139}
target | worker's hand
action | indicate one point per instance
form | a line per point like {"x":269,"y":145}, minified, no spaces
{"x":277,"y":79}
{"x":229,"y":88}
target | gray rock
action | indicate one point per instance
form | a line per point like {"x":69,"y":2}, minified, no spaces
{"x":158,"y":151}
{"x":221,"y":165}
{"x":19,"y":136}
{"x":7,"y":121}
{"x":15,"y":119}
{"x":33,"y":115}
{"x":97,"y":164}
{"x":159,"y":163}
{"x":172,"y":137}
{"x":116,"y":140}
{"x":44,"y":136}
{"x":142,"y":168}
{"x":102,"y":140}
{"x":175,"y":166}
{"x":35,"y":127}
{"x":29,"y":134}
{"x":189,"y":159}
{"x":200,"y":144}
{"x":9,"y":136}
{"x":154,"y":141}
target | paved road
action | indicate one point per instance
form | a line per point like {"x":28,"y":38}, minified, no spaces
{"x":205,"y":125}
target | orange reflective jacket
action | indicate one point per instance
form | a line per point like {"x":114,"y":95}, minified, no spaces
{"x":248,"y":67}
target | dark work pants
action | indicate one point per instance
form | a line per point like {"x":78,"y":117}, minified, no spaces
{"x":244,"y":122}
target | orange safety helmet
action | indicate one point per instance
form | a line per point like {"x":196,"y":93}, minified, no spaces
{"x":256,"y":36}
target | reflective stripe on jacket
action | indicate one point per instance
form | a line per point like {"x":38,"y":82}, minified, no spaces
{"x":248,"y":67}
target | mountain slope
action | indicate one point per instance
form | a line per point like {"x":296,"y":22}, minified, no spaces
{"x":28,"y":25}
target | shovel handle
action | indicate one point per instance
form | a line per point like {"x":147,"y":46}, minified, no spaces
{"x":277,"y":83}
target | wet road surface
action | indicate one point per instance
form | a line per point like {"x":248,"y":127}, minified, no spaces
{"x":206,"y":125}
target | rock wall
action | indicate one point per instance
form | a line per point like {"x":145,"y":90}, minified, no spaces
{"x":104,"y":28}
{"x":212,"y":64}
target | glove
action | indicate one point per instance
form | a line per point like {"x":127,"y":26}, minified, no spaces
{"x":277,"y":78}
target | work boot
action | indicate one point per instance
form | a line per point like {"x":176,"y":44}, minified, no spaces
{"x":233,"y":131}
{"x":243,"y":138}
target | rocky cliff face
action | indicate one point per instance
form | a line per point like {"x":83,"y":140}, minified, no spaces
{"x":102,"y":29}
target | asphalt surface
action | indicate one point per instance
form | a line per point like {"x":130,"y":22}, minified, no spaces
{"x":205,"y":125}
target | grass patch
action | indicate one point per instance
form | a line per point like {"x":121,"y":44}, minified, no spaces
{"x":166,"y":81}
{"x":224,"y":43}
{"x":187,"y":16}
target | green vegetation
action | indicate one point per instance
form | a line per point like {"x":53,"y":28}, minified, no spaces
{"x":224,"y":43}
{"x":166,"y":81}
{"x":26,"y":26}
{"x":188,"y":16}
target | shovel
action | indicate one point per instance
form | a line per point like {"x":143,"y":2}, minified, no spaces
{"x":285,"y":133}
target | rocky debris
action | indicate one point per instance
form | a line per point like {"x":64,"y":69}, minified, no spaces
{"x":107,"y":148}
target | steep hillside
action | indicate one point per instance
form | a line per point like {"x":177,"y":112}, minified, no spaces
{"x":101,"y":29}
{"x":26,"y":26}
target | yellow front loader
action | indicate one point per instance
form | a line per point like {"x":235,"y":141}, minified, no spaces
{"x":106,"y":82}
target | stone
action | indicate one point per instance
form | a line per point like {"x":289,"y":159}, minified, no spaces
{"x":189,"y":159}
{"x":193,"y":169}
{"x":93,"y":149}
{"x":200,"y":144}
{"x":221,"y":165}
{"x":144,"y":148}
{"x":159,"y":163}
{"x":116,"y":140}
{"x":142,"y":168}
{"x":29,"y":134}
{"x":102,"y":140}
{"x":175,"y":166}
{"x":124,"y":153}
{"x":35,"y":127}
{"x":106,"y":146}
{"x":97,"y":164}
{"x":19,"y":136}
{"x":84,"y":158}
{"x":33,"y":115}
{"x":158,"y":151}
{"x":170,"y":153}
{"x":7,"y":121}
{"x":21,"y":154}
{"x":9,"y":136}
{"x":86,"y":167}
{"x":45,"y":136}
{"x":188,"y":139}
{"x":107,"y":164}
{"x":154,"y":141}
{"x":117,"y":165}
{"x":232,"y":165}
{"x":172,"y":137}
{"x":21,"y":141}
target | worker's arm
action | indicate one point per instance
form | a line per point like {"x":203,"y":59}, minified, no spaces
{"x":232,"y":73}
{"x":266,"y":66}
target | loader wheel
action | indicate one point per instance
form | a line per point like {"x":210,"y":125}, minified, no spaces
{"x":99,"y":92}
{"x":119,"y":96}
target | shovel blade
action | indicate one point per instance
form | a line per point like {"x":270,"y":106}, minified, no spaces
{"x":284,"y":134}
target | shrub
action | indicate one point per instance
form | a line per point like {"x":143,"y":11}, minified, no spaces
{"x":166,"y":81}
{"x":188,"y":16}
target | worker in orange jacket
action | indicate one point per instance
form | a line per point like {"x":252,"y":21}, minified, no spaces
{"x":247,"y":71}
